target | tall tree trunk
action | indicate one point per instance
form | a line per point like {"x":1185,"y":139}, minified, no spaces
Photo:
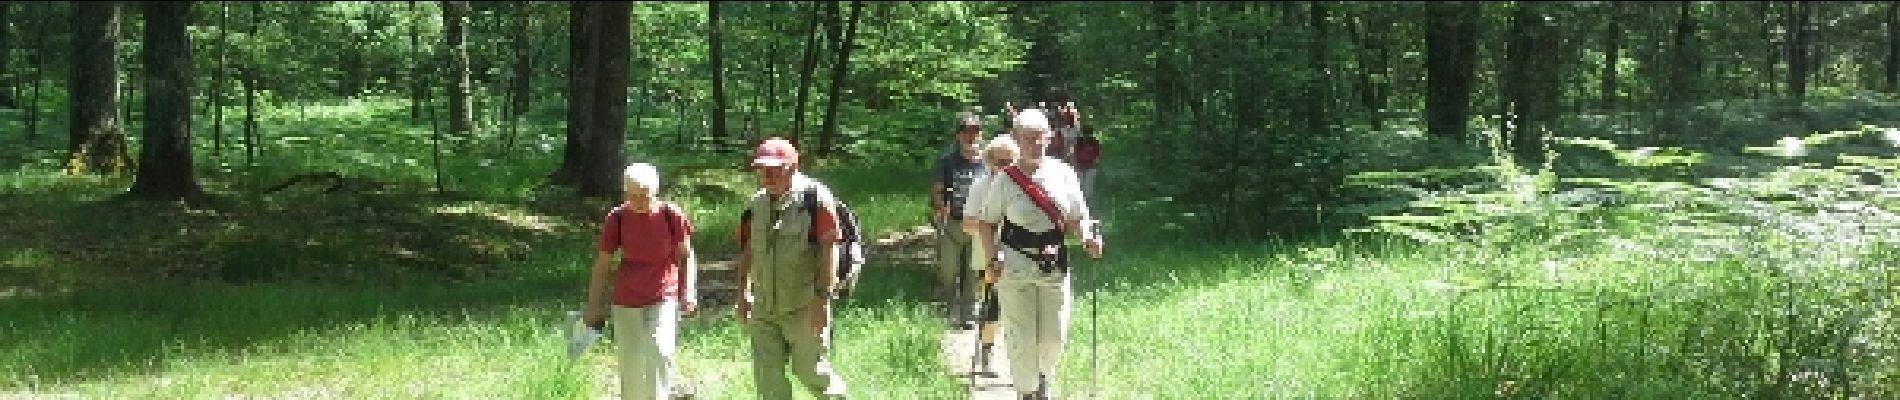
{"x":606,"y":143}
{"x":1798,"y":48}
{"x":165,"y":164}
{"x":582,"y":46}
{"x":773,"y":58}
{"x":418,"y":76}
{"x":519,"y":89}
{"x":96,"y":131}
{"x":809,"y":67}
{"x":454,"y":20}
{"x":597,"y":98}
{"x":1612,"y":53}
{"x":39,"y":80}
{"x":1317,"y":110}
{"x":1371,"y":59}
{"x":719,"y":134}
{"x":1531,"y":82}
{"x":838,"y":72}
{"x":1450,"y":60}
{"x":1893,"y":47}
{"x":218,"y":79}
{"x":1166,"y":93}
{"x":11,"y":90}
{"x":251,"y":80}
{"x":1685,"y":66}
{"x":1771,"y":55}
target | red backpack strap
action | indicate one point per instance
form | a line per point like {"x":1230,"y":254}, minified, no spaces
{"x":1036,"y":195}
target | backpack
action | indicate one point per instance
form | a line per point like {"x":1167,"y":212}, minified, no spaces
{"x":850,"y":240}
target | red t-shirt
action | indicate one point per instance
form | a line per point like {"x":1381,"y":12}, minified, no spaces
{"x":649,"y":253}
{"x":826,"y":223}
{"x":1088,"y":151}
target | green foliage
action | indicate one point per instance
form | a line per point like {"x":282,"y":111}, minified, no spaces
{"x":1807,"y":243}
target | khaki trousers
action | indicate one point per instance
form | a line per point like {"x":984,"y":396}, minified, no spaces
{"x":646,"y":338}
{"x":1036,"y":319}
{"x":777,"y":340}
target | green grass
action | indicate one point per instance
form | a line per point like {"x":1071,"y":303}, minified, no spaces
{"x":401,"y":292}
{"x":386,"y":289}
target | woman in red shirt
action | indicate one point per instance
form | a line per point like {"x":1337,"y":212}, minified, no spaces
{"x":652,"y":287}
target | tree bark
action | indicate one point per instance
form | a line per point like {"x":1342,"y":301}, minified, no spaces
{"x":606,"y":143}
{"x":39,"y":75}
{"x":519,"y":88}
{"x":581,"y":53}
{"x":1686,"y":65}
{"x":218,"y":79}
{"x":1772,"y":55}
{"x":251,"y":80}
{"x":11,"y":91}
{"x":1531,"y":82}
{"x":1450,"y":58}
{"x":1372,"y":63}
{"x":1798,"y":48}
{"x":1612,"y":53}
{"x":719,"y":133}
{"x":1319,"y":108}
{"x":96,"y":135}
{"x":418,"y":77}
{"x":597,"y":98}
{"x":454,"y":20}
{"x":165,"y":162}
{"x":810,"y":66}
{"x":839,"y":70}
{"x":1893,"y":47}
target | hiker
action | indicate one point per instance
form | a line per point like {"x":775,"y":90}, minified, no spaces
{"x":1088,"y":156}
{"x":1062,"y":146}
{"x":956,"y":169}
{"x":786,"y":275}
{"x":1036,"y":203}
{"x":999,"y":153}
{"x":653,"y":286}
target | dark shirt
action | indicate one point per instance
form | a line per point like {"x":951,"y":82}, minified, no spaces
{"x":957,"y":173}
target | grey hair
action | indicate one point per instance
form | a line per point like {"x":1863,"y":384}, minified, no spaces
{"x":1032,"y":119}
{"x":643,"y":174}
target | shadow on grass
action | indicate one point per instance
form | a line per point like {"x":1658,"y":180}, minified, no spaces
{"x":103,"y":287}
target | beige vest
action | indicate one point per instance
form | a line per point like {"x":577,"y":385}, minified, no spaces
{"x":784,"y":260}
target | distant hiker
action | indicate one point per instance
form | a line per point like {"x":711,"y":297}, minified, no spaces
{"x":1064,"y":127}
{"x":653,"y":286}
{"x":1088,"y":156}
{"x":956,"y":169}
{"x":787,"y":275}
{"x":1001,"y":152}
{"x":1036,"y":202}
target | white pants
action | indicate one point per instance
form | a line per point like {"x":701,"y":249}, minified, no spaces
{"x":1036,"y":316}
{"x":645,"y":337}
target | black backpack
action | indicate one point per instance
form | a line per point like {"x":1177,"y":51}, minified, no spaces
{"x":850,"y":240}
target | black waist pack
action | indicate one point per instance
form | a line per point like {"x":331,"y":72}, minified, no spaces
{"x":1044,"y":248}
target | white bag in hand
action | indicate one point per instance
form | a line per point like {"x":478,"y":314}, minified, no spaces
{"x":579,"y":335}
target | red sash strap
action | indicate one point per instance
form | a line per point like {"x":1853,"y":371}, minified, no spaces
{"x":1035,"y":195}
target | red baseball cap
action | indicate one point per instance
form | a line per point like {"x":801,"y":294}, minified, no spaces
{"x":774,"y":152}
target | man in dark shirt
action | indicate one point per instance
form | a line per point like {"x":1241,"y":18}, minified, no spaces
{"x":956,"y":170}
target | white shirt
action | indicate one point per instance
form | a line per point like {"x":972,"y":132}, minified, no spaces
{"x":998,"y":198}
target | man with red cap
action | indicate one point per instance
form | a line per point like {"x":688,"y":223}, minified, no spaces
{"x":787,"y":241}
